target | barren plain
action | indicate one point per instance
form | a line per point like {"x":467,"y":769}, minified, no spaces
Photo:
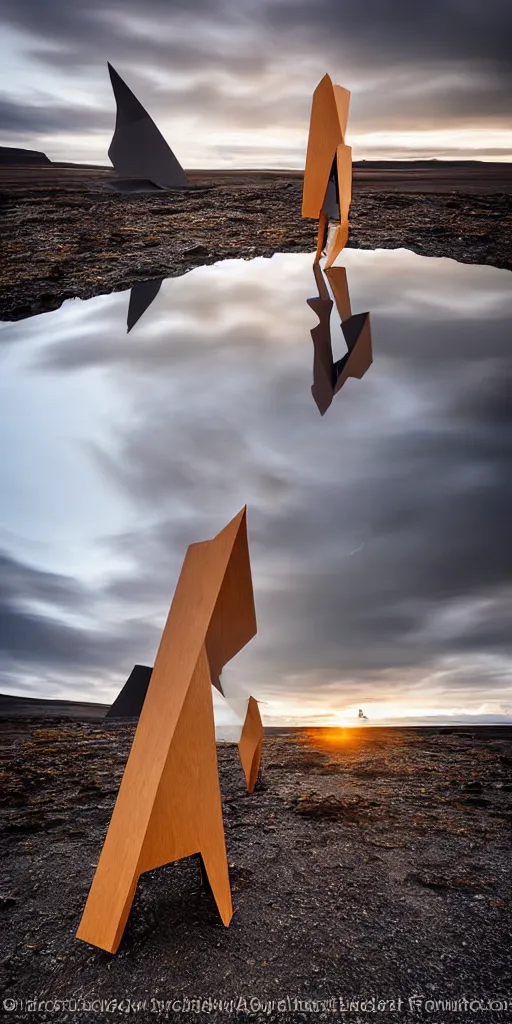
{"x":368,"y":863}
{"x":66,"y":234}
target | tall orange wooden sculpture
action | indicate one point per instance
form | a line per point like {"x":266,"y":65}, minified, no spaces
{"x":250,"y":744}
{"x":327,"y":188}
{"x":169,"y":805}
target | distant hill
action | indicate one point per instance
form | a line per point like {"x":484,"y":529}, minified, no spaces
{"x":10,"y":155}
{"x":39,"y":707}
{"x":391,"y":165}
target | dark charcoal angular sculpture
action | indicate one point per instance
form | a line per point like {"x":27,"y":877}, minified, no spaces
{"x":128,"y":703}
{"x":329,"y":376}
{"x":138,"y":149}
{"x":141,"y":297}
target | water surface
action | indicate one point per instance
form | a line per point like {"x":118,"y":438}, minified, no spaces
{"x":378,"y":532}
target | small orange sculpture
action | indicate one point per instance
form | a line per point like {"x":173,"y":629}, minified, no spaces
{"x":169,"y":804}
{"x":327,"y":188}
{"x":250,"y":744}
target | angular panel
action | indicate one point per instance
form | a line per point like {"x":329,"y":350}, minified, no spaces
{"x":325,"y":135}
{"x":168,"y":805}
{"x":128,"y":703}
{"x":327,"y":188}
{"x":141,"y":297}
{"x":138,"y":149}
{"x":250,"y":744}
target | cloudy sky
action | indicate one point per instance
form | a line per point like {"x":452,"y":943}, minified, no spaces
{"x":230,"y":83}
{"x":379,"y":534}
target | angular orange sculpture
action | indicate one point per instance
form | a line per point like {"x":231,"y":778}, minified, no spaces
{"x":169,"y":804}
{"x":329,"y":376}
{"x":327,"y":188}
{"x":250,"y":744}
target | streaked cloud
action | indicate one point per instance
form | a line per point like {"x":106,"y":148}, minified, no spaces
{"x":379,"y":534}
{"x":219,"y":76}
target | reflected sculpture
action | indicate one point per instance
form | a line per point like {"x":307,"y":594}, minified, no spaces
{"x":141,"y":297}
{"x":250,"y":744}
{"x":327,"y":188}
{"x":138,"y":149}
{"x":169,"y":805}
{"x":329,"y":375}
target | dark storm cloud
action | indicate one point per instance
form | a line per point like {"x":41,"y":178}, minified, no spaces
{"x":21,"y":118}
{"x":396,"y":30}
{"x":413,"y":66}
{"x":383,"y":29}
{"x":34,"y":636}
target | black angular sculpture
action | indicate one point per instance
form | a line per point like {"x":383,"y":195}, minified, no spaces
{"x":128,"y":703}
{"x":329,"y":376}
{"x":138,"y":149}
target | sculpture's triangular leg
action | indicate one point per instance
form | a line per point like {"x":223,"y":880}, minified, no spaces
{"x":185,"y":818}
{"x":339,"y":241}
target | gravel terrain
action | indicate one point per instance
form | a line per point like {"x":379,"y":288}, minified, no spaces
{"x":368,"y":863}
{"x":67,"y":235}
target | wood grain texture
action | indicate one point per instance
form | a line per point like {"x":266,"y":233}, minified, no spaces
{"x":168,"y":805}
{"x":250,"y":744}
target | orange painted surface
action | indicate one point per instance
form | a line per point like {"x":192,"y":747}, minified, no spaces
{"x":326,"y":144}
{"x":250,"y":744}
{"x":168,"y":805}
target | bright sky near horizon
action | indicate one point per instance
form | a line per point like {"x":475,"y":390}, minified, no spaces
{"x":230,"y":85}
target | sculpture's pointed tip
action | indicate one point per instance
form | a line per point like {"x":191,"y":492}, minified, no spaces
{"x":325,"y":79}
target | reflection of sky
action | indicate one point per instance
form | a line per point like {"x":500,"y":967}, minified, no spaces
{"x":377,"y":533}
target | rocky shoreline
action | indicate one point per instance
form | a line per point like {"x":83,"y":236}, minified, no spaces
{"x":81,"y":240}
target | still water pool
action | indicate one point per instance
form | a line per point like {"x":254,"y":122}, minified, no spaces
{"x":379,"y":532}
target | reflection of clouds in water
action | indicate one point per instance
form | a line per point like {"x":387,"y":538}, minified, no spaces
{"x":375,"y":532}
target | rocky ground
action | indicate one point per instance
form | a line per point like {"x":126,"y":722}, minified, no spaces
{"x":368,"y":863}
{"x":70,"y":236}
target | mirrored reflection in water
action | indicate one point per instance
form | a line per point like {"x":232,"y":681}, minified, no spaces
{"x":329,"y":376}
{"x":141,"y":297}
{"x":379,"y":533}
